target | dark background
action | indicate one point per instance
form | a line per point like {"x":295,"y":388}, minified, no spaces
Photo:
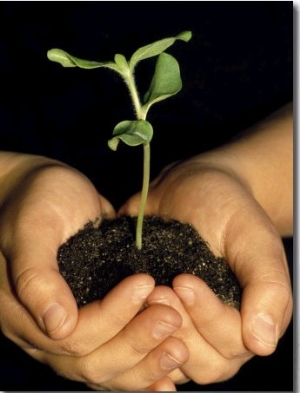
{"x":237,"y":68}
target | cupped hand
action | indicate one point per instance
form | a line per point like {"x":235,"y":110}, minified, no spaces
{"x":102,"y":344}
{"x":211,"y":330}
{"x":43,"y":203}
{"x":221,"y":207}
{"x":130,"y":350}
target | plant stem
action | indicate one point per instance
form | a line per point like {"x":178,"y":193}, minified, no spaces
{"x":144,"y":195}
{"x":130,"y":82}
{"x":129,"y":79}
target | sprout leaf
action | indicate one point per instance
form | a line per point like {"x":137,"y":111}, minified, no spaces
{"x":132,"y":133}
{"x":156,"y":48}
{"x":166,"y":80}
{"x":67,"y":60}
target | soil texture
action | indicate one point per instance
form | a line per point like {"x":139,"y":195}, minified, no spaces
{"x":95,"y":259}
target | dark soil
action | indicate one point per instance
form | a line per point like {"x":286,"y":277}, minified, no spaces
{"x":95,"y":259}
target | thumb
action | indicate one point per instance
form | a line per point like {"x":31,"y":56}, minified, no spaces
{"x":267,"y":301}
{"x":36,"y":280}
{"x":131,"y":206}
{"x":46,"y":295}
{"x":107,"y":208}
{"x":266,"y":311}
{"x":31,"y":251}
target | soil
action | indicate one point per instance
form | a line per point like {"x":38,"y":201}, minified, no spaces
{"x":95,"y":259}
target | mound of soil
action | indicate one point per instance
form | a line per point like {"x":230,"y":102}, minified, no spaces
{"x":95,"y":259}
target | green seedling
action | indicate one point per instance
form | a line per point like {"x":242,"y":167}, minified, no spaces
{"x":165,"y":83}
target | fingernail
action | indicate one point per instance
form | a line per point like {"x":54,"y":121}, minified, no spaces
{"x":53,"y":317}
{"x":186,"y":294}
{"x":141,"y":292}
{"x":162,"y":329}
{"x":264,"y":329}
{"x":168,"y":362}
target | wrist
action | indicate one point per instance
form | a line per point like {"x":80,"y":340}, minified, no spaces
{"x":262,"y":160}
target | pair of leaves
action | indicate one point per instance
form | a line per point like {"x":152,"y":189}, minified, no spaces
{"x":145,"y":52}
{"x":165,"y":83}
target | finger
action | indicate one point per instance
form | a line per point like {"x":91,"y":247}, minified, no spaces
{"x":48,"y":298}
{"x":263,"y":322}
{"x":205,"y":364}
{"x":144,"y":333}
{"x":131,"y":206}
{"x":261,"y":269}
{"x":219,"y":324}
{"x":16,"y":322}
{"x":202,"y":355}
{"x":151,"y":370}
{"x":98,"y":322}
{"x":107,"y":210}
{"x":163,"y":385}
{"x":40,"y":287}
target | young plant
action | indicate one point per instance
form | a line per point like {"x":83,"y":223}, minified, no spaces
{"x":165,"y":83}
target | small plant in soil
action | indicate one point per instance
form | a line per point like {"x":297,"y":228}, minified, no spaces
{"x":95,"y":259}
{"x":166,"y":82}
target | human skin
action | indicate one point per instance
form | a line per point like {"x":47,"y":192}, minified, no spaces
{"x":44,"y":202}
{"x":196,"y":341}
{"x":240,"y":199}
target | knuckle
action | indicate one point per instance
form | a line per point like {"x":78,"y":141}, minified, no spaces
{"x":151,"y":376}
{"x":118,"y":321}
{"x":90,"y":373}
{"x":26,"y":281}
{"x":178,"y":377}
{"x":73,"y":348}
{"x":216,"y":372}
{"x":233,"y":352}
{"x":139,"y":349}
{"x":274,"y":290}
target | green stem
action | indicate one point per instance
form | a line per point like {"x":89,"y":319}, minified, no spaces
{"x":144,"y":195}
{"x":130,"y":82}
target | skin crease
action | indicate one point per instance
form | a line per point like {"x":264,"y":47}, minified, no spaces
{"x":185,"y":332}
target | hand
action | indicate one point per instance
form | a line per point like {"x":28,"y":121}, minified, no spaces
{"x":43,"y":203}
{"x":218,"y":203}
{"x":114,"y":347}
{"x":102,"y":344}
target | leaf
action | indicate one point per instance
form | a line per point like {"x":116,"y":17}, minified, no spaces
{"x":165,"y":82}
{"x":184,"y":36}
{"x":132,"y":133}
{"x":67,"y":60}
{"x":122,"y":63}
{"x":156,"y":48}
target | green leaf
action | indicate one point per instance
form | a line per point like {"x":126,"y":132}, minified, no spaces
{"x":156,"y":48}
{"x":132,"y":133}
{"x":67,"y":60}
{"x":184,"y":36}
{"x":165,"y":82}
{"x":122,"y":63}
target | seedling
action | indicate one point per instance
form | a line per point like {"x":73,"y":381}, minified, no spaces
{"x":165,"y":83}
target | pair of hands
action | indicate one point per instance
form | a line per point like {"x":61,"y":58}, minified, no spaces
{"x":183,"y":333}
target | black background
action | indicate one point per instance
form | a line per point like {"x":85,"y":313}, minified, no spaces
{"x":237,"y":68}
